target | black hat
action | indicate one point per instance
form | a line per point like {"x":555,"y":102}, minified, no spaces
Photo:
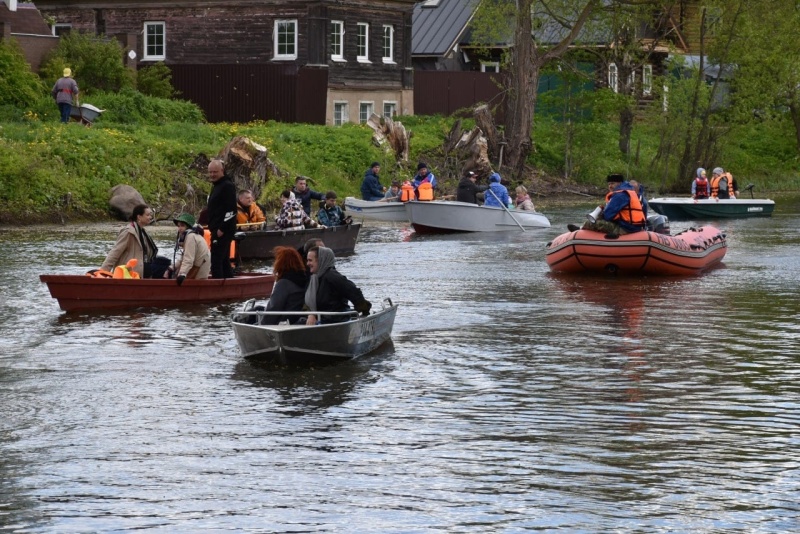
{"x":615,"y":178}
{"x":375,"y":164}
{"x":422,"y":165}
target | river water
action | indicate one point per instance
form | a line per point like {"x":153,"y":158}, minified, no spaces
{"x":510,"y":399}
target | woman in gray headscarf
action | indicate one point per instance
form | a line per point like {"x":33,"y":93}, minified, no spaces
{"x":328,"y":290}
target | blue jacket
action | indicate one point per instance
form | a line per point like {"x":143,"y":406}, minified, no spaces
{"x":331,"y":216}
{"x":305,"y":198}
{"x":371,"y":188}
{"x":616,"y":203}
{"x":419,"y":179}
{"x":500,"y":191}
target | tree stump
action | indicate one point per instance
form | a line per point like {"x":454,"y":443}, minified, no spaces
{"x":485,"y":121}
{"x":248,"y":164}
{"x":391,"y":136}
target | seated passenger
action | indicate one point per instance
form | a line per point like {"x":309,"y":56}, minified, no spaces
{"x":371,"y":188}
{"x":328,"y":290}
{"x":393,"y":194}
{"x":248,"y":215}
{"x":292,"y":215}
{"x":701,"y":187}
{"x":289,"y":291}
{"x":523,"y":200}
{"x":622,"y":213}
{"x":497,"y":194}
{"x":468,"y":189}
{"x":330,"y":214}
{"x":195,"y":260}
{"x":133,"y":242}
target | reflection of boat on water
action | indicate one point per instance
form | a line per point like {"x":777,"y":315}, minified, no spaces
{"x":682,"y":209}
{"x":689,"y":252}
{"x":449,"y":216}
{"x":354,"y":336}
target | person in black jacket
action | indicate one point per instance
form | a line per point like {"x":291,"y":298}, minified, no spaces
{"x":221,"y":219}
{"x":328,"y":290}
{"x":288,"y":293}
{"x":468,"y":190}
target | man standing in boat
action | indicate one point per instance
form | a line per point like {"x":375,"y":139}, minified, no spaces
{"x":304,"y":195}
{"x":622,"y":214}
{"x":221,"y":219}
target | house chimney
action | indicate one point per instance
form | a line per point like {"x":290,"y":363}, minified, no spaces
{"x":12,"y":5}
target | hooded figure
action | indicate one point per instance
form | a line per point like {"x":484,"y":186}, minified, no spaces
{"x":328,"y":290}
{"x":701,"y":188}
{"x":497,"y":194}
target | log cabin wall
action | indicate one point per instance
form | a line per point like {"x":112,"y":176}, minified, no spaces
{"x":205,"y":33}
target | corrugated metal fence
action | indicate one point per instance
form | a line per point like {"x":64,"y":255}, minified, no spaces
{"x":448,"y":92}
{"x":244,"y":93}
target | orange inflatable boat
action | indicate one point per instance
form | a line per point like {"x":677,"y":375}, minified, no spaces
{"x":686,"y":253}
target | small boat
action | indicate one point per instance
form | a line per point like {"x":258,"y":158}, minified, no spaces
{"x":293,"y":343}
{"x":689,"y":252}
{"x":375,"y":210}
{"x":82,"y":292}
{"x":682,"y":209}
{"x":258,"y":244}
{"x":440,"y":216}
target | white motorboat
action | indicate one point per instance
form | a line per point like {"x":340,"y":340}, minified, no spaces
{"x":375,"y":210}
{"x":445,"y":216}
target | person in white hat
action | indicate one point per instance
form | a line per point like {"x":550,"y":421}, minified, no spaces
{"x":64,"y":91}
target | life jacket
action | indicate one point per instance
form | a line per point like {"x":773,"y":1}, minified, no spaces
{"x":715,"y":184}
{"x":100,"y":273}
{"x":407,"y":192}
{"x":126,"y":271}
{"x":425,"y":191}
{"x":633,"y":212}
{"x":701,"y":188}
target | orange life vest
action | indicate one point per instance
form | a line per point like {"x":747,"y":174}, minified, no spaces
{"x":425,"y":191}
{"x":715,"y":184}
{"x":633,"y":212}
{"x":126,"y":271}
{"x":407,"y":192}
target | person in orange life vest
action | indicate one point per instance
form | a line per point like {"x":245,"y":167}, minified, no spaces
{"x":133,"y":242}
{"x":639,"y":188}
{"x":423,"y":176}
{"x":622,"y":213}
{"x":64,"y":91}
{"x":195,"y":260}
{"x":701,"y":188}
{"x":723,"y":185}
{"x":248,"y":215}
{"x":407,"y":191}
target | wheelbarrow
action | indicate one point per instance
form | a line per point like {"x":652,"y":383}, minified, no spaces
{"x":86,"y":114}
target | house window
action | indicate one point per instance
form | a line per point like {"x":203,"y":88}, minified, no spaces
{"x":61,"y":29}
{"x":285,"y":36}
{"x":337,"y":40}
{"x":612,"y":77}
{"x":389,"y":109}
{"x":365,"y":110}
{"x":647,"y":79}
{"x":388,"y":43}
{"x":155,"y":41}
{"x":340,"y":113}
{"x":362,"y":46}
{"x":490,"y":66}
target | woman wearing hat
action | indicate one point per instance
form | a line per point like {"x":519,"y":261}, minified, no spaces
{"x":195,"y":262}
{"x":63,"y":91}
{"x":371,"y":188}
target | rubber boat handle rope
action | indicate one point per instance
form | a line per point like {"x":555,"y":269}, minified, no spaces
{"x":507,"y":210}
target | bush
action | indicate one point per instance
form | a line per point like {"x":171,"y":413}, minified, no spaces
{"x":19,"y":87}
{"x":155,"y":80}
{"x":132,"y":107}
{"x":96,"y":63}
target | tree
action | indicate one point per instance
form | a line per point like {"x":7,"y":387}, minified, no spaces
{"x":96,"y":63}
{"x":19,"y":87}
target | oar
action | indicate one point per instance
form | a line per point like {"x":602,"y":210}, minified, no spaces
{"x":507,"y":210}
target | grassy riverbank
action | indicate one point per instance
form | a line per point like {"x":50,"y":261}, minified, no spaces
{"x":51,"y":172}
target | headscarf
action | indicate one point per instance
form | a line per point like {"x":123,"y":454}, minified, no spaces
{"x":325,"y":261}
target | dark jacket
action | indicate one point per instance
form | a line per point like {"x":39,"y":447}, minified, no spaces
{"x":305,"y":198}
{"x":288,"y":294}
{"x":222,"y":206}
{"x":468,"y":190}
{"x":335,"y":290}
{"x":331,"y":216}
{"x":371,"y":188}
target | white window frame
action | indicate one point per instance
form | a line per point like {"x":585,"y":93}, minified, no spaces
{"x":391,"y":112}
{"x":613,"y":77}
{"x":146,"y":55}
{"x":365,"y":111}
{"x":632,"y":81}
{"x":495,"y":64}
{"x":362,"y":33}
{"x":276,"y":33}
{"x":337,"y":31}
{"x":647,"y":79}
{"x":344,"y":113}
{"x":388,"y":58}
{"x":60,"y":26}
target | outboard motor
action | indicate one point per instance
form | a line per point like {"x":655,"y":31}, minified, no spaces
{"x":658,"y":224}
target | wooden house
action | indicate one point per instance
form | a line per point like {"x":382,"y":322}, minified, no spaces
{"x":24,"y":23}
{"x":322,"y":61}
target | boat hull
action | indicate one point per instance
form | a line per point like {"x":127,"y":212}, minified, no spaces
{"x":444,"y":216}
{"x":688,"y":253}
{"x":682,"y":209}
{"x":375,"y":211}
{"x":81,"y":292}
{"x":291,"y":344}
{"x":259,"y":244}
